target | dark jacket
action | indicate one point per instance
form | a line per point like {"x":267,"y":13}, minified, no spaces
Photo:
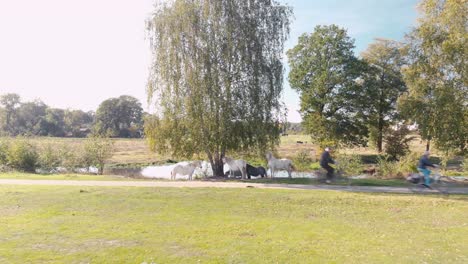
{"x":424,"y":162}
{"x":326,"y":159}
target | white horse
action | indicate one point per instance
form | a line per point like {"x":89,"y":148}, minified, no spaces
{"x":236,"y":165}
{"x":185,"y":169}
{"x":275,"y":164}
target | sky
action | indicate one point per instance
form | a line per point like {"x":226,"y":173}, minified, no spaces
{"x":76,"y":54}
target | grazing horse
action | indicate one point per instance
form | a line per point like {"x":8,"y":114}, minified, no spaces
{"x":236,"y":165}
{"x":275,"y":164}
{"x":185,"y":169}
{"x":251,"y":171}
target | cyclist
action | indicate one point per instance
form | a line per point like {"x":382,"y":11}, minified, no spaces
{"x":324,"y":161}
{"x":422,"y":167}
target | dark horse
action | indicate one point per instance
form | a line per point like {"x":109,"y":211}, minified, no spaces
{"x":251,"y":171}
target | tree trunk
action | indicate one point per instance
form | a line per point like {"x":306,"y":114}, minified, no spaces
{"x":101,"y":169}
{"x":218,"y":168}
{"x":380,"y":136}
{"x":216,"y":164}
{"x":428,"y":145}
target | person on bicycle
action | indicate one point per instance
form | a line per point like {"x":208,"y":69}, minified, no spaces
{"x":422,"y":167}
{"x":324,"y":163}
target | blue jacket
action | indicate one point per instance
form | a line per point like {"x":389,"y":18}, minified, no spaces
{"x":424,"y":162}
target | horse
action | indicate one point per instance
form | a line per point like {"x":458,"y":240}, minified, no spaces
{"x":255,"y":171}
{"x":234,"y":165}
{"x":251,"y":171}
{"x":185,"y":169}
{"x":275,"y":164}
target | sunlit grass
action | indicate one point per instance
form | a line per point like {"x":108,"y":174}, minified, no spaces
{"x":165,"y":225}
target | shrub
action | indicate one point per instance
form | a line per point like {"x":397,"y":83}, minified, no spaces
{"x":388,"y":168}
{"x":303,"y":161}
{"x":22,"y":155}
{"x":97,"y":150}
{"x":349,"y":165}
{"x":3,"y":152}
{"x":73,"y":158}
{"x":397,"y":142}
{"x":50,"y":157}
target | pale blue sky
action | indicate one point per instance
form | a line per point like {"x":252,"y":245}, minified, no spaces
{"x":75,"y":54}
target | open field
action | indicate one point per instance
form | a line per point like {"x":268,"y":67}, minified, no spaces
{"x":166,"y":225}
{"x":136,"y":151}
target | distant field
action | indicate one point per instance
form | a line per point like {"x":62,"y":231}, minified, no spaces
{"x":136,"y":151}
{"x":173,"y":225}
{"x":131,"y":151}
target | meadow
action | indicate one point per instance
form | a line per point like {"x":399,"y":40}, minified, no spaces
{"x":170,"y":225}
{"x":136,"y":151}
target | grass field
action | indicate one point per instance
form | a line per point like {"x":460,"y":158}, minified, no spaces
{"x":131,"y":151}
{"x":165,"y":225}
{"x":136,"y":151}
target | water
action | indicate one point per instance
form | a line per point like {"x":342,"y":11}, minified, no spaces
{"x":164,"y":172}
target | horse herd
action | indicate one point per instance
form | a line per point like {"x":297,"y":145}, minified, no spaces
{"x":245,"y":169}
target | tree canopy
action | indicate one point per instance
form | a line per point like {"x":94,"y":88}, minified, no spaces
{"x":383,"y":84}
{"x":437,"y":74}
{"x":216,"y":76}
{"x":119,"y":117}
{"x":324,"y":71}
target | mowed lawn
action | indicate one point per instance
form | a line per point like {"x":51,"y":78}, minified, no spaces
{"x":169,"y":225}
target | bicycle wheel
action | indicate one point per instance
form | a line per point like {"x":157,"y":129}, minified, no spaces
{"x":441,"y":184}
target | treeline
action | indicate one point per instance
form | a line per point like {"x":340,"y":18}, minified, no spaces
{"x":371,"y":99}
{"x":115,"y":117}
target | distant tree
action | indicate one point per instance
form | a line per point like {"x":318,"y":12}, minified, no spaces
{"x":10,"y":102}
{"x":78,"y":123}
{"x":216,"y":76}
{"x":119,"y":117}
{"x":55,"y":122}
{"x":437,"y":75}
{"x":30,"y":119}
{"x":383,"y":84}
{"x":324,"y":71}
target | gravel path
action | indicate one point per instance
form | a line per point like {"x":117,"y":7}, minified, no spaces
{"x":198,"y":184}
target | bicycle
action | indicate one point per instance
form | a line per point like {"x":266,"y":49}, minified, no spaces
{"x":438,"y":182}
{"x":338,"y":177}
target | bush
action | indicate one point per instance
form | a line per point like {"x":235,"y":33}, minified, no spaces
{"x":3,"y":152}
{"x":73,"y":158}
{"x":50,"y":158}
{"x":97,"y":150}
{"x":388,"y":168}
{"x":22,"y":155}
{"x":348,"y":165}
{"x":397,"y":142}
{"x":303,"y":161}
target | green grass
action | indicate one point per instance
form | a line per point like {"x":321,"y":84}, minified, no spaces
{"x":78,"y":177}
{"x":352,"y":182}
{"x":163,"y":225}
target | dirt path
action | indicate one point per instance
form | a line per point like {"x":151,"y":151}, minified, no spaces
{"x":196,"y":184}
